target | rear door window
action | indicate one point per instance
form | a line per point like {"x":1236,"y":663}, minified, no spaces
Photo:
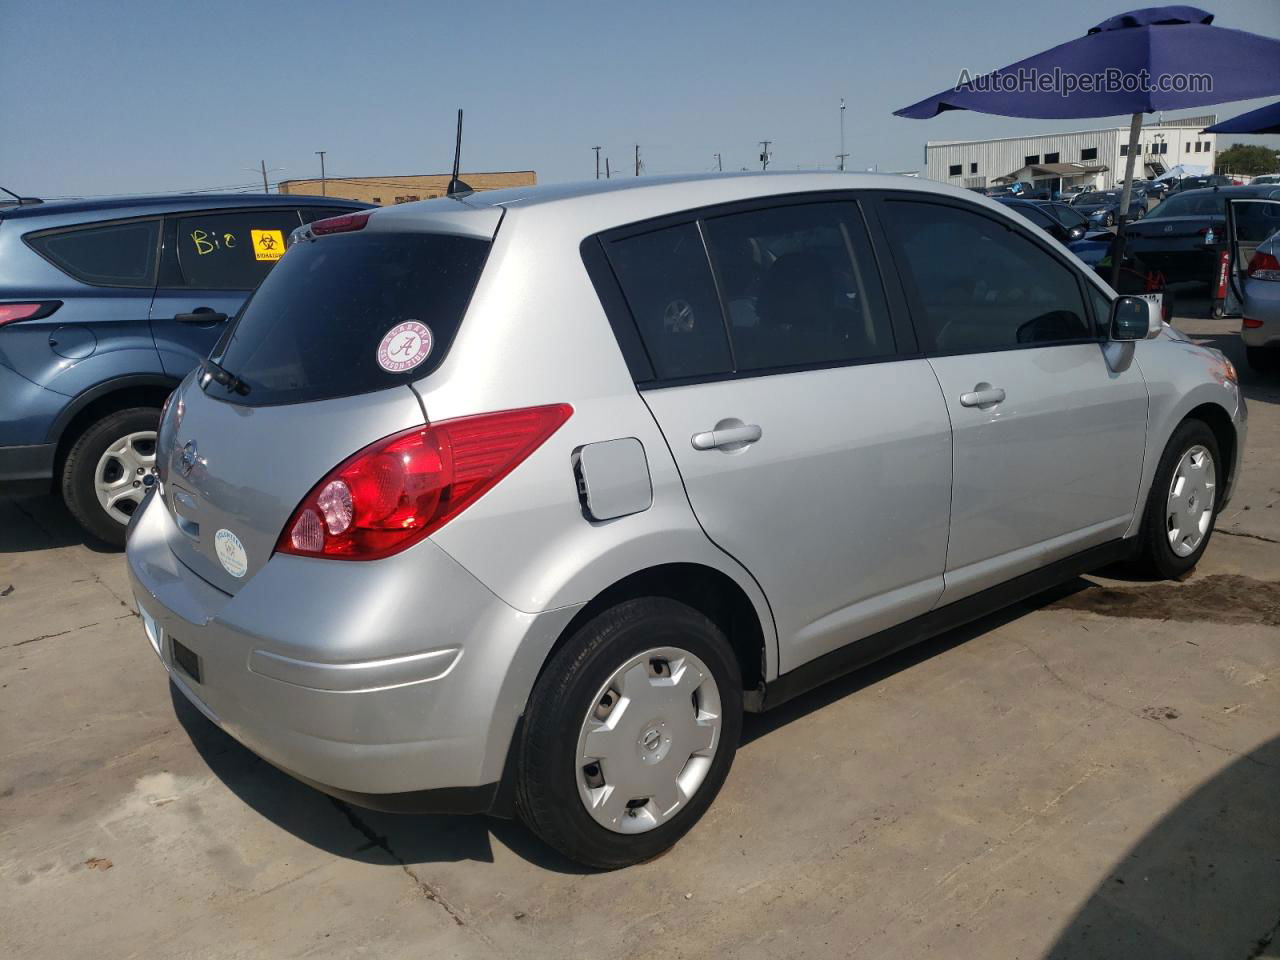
{"x":109,"y":255}
{"x":800,"y":286}
{"x":666,"y":279}
{"x":324,"y":322}
{"x":231,"y":251}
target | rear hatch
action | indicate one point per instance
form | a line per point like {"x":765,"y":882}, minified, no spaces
{"x":317,"y":367}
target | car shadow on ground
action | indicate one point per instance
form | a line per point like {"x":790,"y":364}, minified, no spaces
{"x":39,"y":523}
{"x":408,"y":839}
{"x":1203,"y":882}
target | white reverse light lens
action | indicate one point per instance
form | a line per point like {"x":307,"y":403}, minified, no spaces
{"x":335,"y":502}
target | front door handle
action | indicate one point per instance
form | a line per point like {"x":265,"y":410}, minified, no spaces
{"x":984,"y":394}
{"x":728,"y":437}
{"x":201,"y":315}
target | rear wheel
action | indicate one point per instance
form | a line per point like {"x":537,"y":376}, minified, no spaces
{"x":1263,"y":359}
{"x":630,"y":733}
{"x":109,"y":470}
{"x":1183,"y":502}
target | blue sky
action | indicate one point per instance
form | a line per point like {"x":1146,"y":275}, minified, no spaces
{"x":135,"y":96}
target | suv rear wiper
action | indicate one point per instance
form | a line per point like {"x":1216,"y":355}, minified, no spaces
{"x":225,"y":378}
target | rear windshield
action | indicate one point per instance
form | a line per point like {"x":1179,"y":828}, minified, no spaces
{"x":1189,"y":205}
{"x":351,"y":314}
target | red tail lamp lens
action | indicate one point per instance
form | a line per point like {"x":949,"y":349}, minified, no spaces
{"x":396,"y":491}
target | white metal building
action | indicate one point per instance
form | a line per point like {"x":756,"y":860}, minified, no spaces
{"x":1088,"y":157}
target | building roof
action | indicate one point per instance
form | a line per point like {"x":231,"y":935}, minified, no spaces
{"x":1198,"y":122}
{"x":1068,"y":169}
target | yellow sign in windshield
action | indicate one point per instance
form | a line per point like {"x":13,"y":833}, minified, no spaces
{"x":268,"y":244}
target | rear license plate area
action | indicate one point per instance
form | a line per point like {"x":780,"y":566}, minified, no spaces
{"x":185,"y":660}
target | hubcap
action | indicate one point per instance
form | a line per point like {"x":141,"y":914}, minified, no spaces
{"x":648,"y":740}
{"x":124,"y":473}
{"x":1191,"y":500}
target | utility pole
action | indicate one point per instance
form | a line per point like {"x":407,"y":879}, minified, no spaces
{"x":265,"y":189}
{"x":637,"y":159}
{"x":323,"y":183}
{"x":764,"y":154}
{"x":719,"y":165}
{"x":597,"y":150}
{"x":607,"y":174}
{"x":842,"y":156}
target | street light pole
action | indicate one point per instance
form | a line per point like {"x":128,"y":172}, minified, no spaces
{"x":597,"y":150}
{"x":764,"y":154}
{"x":323,"y":182}
{"x":843,"y":155}
{"x":719,"y":164}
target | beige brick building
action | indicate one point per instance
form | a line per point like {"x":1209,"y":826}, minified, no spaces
{"x":389,"y":190}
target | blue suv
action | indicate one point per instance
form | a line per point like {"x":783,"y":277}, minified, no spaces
{"x":105,"y":305}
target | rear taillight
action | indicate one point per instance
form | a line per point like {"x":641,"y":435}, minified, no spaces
{"x":396,"y":491}
{"x":1251,"y":324}
{"x":1264,"y":266}
{"x":12,"y":312}
{"x":343,"y":224}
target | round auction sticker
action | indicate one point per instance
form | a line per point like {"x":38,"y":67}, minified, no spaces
{"x":404,"y":347}
{"x":231,"y":553}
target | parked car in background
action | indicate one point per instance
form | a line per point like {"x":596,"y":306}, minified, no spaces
{"x":1066,"y":225}
{"x":1260,"y":326}
{"x":1267,"y":179}
{"x":105,"y":305}
{"x":515,"y":501}
{"x":1183,"y":236}
{"x":1157,"y":189}
{"x":1102,"y":207}
{"x":1201,"y":183}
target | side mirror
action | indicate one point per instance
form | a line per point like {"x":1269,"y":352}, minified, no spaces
{"x":1076,"y":233}
{"x":1135,"y":318}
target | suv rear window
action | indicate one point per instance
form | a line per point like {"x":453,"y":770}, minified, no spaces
{"x":314,"y":328}
{"x":110,"y":255}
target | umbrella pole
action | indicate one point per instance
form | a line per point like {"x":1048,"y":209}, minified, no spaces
{"x":1135,"y":134}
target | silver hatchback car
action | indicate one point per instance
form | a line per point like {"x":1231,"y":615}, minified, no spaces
{"x":514,"y":502}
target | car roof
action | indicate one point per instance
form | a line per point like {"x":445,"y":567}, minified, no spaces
{"x":1267,"y":190}
{"x":110,"y":207}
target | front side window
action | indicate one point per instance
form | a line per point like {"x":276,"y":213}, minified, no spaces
{"x":112,"y":255}
{"x":231,"y":251}
{"x":666,"y":279}
{"x":800,"y":286}
{"x":980,"y":285}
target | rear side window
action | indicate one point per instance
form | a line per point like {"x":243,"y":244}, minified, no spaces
{"x":667,"y":282}
{"x":231,"y":251}
{"x":324,"y":322}
{"x":111,"y":255}
{"x":800,"y":286}
{"x":979,"y":285}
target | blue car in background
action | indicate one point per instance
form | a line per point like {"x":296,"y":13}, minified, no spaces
{"x":105,"y":305}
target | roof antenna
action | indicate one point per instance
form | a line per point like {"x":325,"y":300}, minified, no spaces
{"x":21,"y":200}
{"x":457,"y":188}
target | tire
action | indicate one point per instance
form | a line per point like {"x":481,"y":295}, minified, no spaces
{"x":1159,"y":556}
{"x":554,"y":780}
{"x":1263,"y":359}
{"x":89,"y":453}
{"x":1110,"y":221}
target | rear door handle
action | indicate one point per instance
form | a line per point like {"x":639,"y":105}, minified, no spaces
{"x":201,"y":315}
{"x":982,"y":395}
{"x":726,"y":437}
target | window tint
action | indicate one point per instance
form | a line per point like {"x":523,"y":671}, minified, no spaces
{"x":315,"y":327}
{"x":800,"y":286}
{"x":667,"y":282}
{"x":115,"y":254}
{"x":232,"y":251}
{"x":979,"y":285}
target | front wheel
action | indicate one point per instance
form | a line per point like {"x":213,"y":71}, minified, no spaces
{"x":109,"y":470}
{"x":630,"y":733}
{"x":1183,"y":502}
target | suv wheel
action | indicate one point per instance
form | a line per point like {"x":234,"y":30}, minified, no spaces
{"x":109,"y":469}
{"x":1263,"y":359}
{"x":1183,"y":502}
{"x":630,"y":733}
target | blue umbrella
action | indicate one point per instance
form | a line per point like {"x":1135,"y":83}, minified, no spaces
{"x":1157,"y":58}
{"x":1263,"y":120}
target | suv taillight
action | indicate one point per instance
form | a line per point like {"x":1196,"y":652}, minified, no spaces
{"x":345,"y":223}
{"x":12,"y":312}
{"x":396,"y":491}
{"x":1264,"y":266}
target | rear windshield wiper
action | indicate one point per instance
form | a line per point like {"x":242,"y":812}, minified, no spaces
{"x":225,"y":378}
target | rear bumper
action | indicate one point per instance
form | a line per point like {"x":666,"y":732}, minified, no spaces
{"x":1197,"y":264}
{"x":390,"y":698}
{"x":26,"y":470}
